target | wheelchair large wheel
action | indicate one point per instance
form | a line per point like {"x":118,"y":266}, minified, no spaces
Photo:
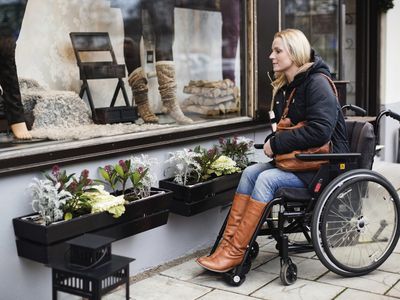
{"x":355,"y":224}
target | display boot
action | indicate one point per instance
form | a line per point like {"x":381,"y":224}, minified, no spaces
{"x":167,"y":87}
{"x":138,"y":82}
{"x":238,"y":208}
{"x":232,"y":254}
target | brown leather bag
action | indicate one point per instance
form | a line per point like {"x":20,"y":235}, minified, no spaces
{"x":288,"y":161}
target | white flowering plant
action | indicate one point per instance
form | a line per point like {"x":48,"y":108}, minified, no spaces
{"x":223,"y":165}
{"x":62,"y":197}
{"x":185,"y":165}
{"x":200,"y":164}
{"x":48,"y":200}
{"x":238,"y":149}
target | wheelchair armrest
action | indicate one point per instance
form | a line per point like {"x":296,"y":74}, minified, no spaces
{"x":329,"y":156}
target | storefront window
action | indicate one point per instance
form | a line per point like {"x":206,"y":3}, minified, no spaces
{"x":184,"y":65}
{"x":319,"y":20}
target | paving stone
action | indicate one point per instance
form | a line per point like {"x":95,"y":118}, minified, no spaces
{"x":65,"y":296}
{"x":394,"y":291}
{"x":274,"y":266}
{"x":376,"y":282}
{"x":262,"y":258}
{"x":392,"y":264}
{"x":222,"y":295}
{"x":311,"y":269}
{"x":310,"y":254}
{"x":185,"y":271}
{"x":162,"y":287}
{"x":354,"y":294}
{"x":117,"y":295}
{"x":270,"y":247}
{"x":254,"y":280}
{"x":301,"y":289}
{"x":397,"y":248}
{"x":263,"y":240}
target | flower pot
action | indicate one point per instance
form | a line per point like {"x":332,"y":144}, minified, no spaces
{"x":189,"y":200}
{"x":40,"y":243}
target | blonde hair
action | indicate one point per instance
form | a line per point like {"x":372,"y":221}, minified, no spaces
{"x":299,"y":49}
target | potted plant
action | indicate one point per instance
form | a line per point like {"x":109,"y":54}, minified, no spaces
{"x":203,"y":178}
{"x":67,"y":206}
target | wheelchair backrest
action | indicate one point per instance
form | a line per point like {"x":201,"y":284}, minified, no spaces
{"x":361,"y":138}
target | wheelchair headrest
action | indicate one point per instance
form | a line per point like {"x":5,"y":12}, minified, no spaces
{"x":361,"y":138}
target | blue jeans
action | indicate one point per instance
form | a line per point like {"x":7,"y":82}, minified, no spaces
{"x":262,"y":180}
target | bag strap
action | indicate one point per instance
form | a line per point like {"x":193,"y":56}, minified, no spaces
{"x":289,"y":100}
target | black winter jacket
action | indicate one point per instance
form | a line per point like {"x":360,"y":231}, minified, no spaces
{"x":314,"y":102}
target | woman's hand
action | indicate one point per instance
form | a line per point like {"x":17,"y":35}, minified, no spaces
{"x":267,"y":149}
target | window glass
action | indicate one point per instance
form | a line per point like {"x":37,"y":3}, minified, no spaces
{"x":181,"y":65}
{"x":319,"y":21}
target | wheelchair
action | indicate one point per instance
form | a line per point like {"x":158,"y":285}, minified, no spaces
{"x":349,"y":214}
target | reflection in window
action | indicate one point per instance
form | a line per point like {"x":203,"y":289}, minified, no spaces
{"x":318,"y":19}
{"x":189,"y":49}
{"x":182,"y":58}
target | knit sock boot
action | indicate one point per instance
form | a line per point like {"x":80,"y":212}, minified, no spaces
{"x":167,"y":87}
{"x":138,"y":82}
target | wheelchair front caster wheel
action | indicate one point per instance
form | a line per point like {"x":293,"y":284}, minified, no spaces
{"x":288,"y":273}
{"x":254,"y":250}
{"x":234,"y":279}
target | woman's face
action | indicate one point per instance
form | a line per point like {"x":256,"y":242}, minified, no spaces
{"x":281,"y":61}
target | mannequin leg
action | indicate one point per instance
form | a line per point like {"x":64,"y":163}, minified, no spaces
{"x":162,"y":16}
{"x":230,"y":11}
{"x":11,"y":93}
{"x":137,"y":77}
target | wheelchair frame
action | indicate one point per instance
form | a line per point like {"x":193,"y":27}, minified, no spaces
{"x":303,"y":213}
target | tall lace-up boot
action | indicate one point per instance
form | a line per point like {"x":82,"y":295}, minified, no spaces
{"x":138,"y":82}
{"x":167,"y":87}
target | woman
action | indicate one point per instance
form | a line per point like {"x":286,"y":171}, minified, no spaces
{"x":295,"y":67}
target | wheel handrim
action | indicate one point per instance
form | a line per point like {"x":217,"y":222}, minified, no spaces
{"x":360,"y":225}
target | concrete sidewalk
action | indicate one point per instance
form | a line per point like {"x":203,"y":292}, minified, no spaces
{"x":188,"y":281}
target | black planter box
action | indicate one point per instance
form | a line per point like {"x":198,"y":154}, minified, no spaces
{"x":42,"y":243}
{"x":189,"y":200}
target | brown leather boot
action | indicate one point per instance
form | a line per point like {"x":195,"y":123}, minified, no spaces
{"x":232,"y":254}
{"x":239,"y":205}
{"x":138,"y":82}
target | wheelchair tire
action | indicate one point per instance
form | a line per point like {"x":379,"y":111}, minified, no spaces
{"x":288,"y":273}
{"x":254,"y":250}
{"x":355,"y":224}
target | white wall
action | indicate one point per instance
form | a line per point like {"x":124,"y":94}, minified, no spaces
{"x":390,"y":65}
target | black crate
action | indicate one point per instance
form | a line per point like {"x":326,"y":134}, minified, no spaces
{"x":117,"y":114}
